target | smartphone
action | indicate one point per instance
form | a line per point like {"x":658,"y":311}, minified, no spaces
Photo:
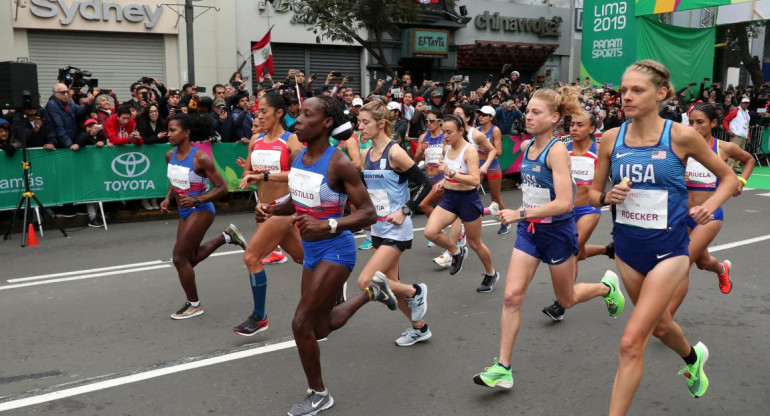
{"x":201,"y":89}
{"x":457,"y":78}
{"x":145,"y":96}
{"x":335,"y":74}
{"x":265,"y":71}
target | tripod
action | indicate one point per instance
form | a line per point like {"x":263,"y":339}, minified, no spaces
{"x":26,"y":199}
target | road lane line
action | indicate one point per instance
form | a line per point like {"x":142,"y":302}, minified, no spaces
{"x":176,"y":367}
{"x":102,"y":269}
{"x":85,"y":276}
{"x":738,"y":243}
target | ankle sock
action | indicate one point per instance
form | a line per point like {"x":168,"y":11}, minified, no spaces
{"x":259,"y":292}
{"x":195,"y":304}
{"x":692,"y":358}
{"x":228,"y":239}
{"x":457,"y":253}
{"x":505,"y":367}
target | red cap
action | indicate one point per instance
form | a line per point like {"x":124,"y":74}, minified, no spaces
{"x":90,"y":121}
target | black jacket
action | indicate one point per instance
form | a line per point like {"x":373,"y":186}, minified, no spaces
{"x":149,"y":134}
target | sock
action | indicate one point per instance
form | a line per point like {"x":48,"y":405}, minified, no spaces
{"x":457,"y":253}
{"x":494,"y":272}
{"x":320,"y":393}
{"x":195,"y":304}
{"x":609,"y":289}
{"x":508,"y":367}
{"x":228,"y":239}
{"x":417,"y":289}
{"x":424,"y":328}
{"x":692,"y":358}
{"x":368,"y":235}
{"x":259,"y":292}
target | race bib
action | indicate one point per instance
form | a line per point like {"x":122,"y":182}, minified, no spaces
{"x":697,"y":176}
{"x":534,"y":197}
{"x":433,"y":155}
{"x":305,"y":188}
{"x":645,"y":208}
{"x":266,"y":159}
{"x":582,"y":170}
{"x":381,"y":201}
{"x":179,"y":176}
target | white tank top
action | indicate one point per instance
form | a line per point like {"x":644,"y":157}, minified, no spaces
{"x":457,"y":164}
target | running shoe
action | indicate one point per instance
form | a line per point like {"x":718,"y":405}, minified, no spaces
{"x":614,"y":300}
{"x":457,"y":261}
{"x":366,"y":245}
{"x":609,"y":250}
{"x":504,"y":229}
{"x":419,"y":303}
{"x":495,"y":376}
{"x":725,"y":284}
{"x":494,"y":209}
{"x":343,"y":296}
{"x":461,"y":242}
{"x":154,"y":203}
{"x":697,"y":382}
{"x":96,"y":222}
{"x":251,"y":326}
{"x":188,"y":311}
{"x":381,"y":290}
{"x":311,"y":404}
{"x":147,"y":205}
{"x":444,"y":260}
{"x":414,"y":335}
{"x":235,"y":236}
{"x":488,"y":282}
{"x":431,"y":244}
{"x":276,"y":257}
{"x":555,"y":311}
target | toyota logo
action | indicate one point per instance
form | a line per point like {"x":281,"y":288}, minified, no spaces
{"x":130,"y":165}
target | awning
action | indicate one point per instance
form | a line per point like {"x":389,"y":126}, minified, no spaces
{"x":525,"y":57}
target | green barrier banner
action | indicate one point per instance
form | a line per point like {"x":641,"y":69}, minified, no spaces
{"x":104,"y":174}
{"x":609,"y":40}
{"x":645,"y":7}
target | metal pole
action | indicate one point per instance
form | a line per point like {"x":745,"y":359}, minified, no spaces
{"x":189,"y":16}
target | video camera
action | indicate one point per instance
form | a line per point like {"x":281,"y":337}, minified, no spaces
{"x":76,"y":79}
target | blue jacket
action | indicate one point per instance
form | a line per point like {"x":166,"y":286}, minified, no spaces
{"x":506,"y":119}
{"x":64,"y":118}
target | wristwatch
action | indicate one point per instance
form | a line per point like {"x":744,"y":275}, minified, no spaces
{"x":333,"y":225}
{"x":452,"y":173}
{"x":267,"y":175}
{"x":196,"y":202}
{"x":406,"y":210}
{"x":522,"y":213}
{"x":602,"y":198}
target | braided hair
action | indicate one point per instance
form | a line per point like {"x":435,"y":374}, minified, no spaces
{"x":333,"y":109}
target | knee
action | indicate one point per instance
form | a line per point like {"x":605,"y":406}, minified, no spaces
{"x":661,"y":329}
{"x":180,"y":260}
{"x":475,"y":244}
{"x":631,"y":348}
{"x":702,"y":262}
{"x":430,"y":234}
{"x":567,"y":303}
{"x":512,"y":300}
{"x":301,"y":325}
{"x":251,"y":259}
{"x":363,"y":281}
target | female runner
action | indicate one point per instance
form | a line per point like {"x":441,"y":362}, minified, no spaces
{"x":582,"y":152}
{"x":650,"y":231}
{"x":493,"y":173}
{"x":701,"y":183}
{"x":321,"y":180}
{"x":189,"y":172}
{"x":460,"y":166}
{"x":387,"y":172}
{"x":269,"y":160}
{"x":546,"y":231}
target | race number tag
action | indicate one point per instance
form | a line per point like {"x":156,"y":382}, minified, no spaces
{"x":433,"y":155}
{"x":305,"y":188}
{"x":534,"y":197}
{"x":381,"y":201}
{"x":582,"y":170}
{"x":179,"y":176}
{"x":645,"y":208}
{"x":266,"y":159}
{"x":697,"y":176}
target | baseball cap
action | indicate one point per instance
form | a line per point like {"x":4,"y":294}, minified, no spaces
{"x":436,"y":94}
{"x":487,"y":110}
{"x":745,"y":100}
{"x":89,"y":122}
{"x":357,"y":102}
{"x":419,"y":100}
{"x":174,"y":92}
{"x":4,"y":123}
{"x":394,"y":106}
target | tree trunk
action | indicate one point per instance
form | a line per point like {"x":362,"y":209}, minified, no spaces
{"x":751,"y":63}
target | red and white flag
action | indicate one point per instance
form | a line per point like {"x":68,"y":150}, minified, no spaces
{"x":263,"y":55}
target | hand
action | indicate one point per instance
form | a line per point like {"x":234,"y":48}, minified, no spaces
{"x":162,"y":134}
{"x":739,"y":190}
{"x":109,"y":144}
{"x":311,"y":227}
{"x":261,"y":78}
{"x":164,"y":206}
{"x":424,"y":145}
{"x":185,"y":201}
{"x":618,"y":194}
{"x":263,"y":211}
{"x":112,"y":93}
{"x":75,"y":147}
{"x":440,"y":185}
{"x":396,"y":218}
{"x":241,"y":162}
{"x":444,"y":168}
{"x":701,"y":215}
{"x":244,"y":140}
{"x":222,"y":115}
{"x":247,"y":181}
{"x":48,"y":146}
{"x":508,"y":216}
{"x":344,"y":80}
{"x":99,"y":144}
{"x":172,"y":112}
{"x":483,"y":170}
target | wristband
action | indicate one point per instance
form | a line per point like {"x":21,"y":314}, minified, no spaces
{"x":743,"y":180}
{"x":602,"y":198}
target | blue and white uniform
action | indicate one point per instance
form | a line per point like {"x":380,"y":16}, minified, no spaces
{"x":698,"y":178}
{"x":493,"y":172}
{"x":650,"y":224}
{"x":389,"y":191}
{"x":432,"y":154}
{"x":185,"y":181}
{"x":583,"y":169}
{"x":554,"y":239}
{"x":312,"y":195}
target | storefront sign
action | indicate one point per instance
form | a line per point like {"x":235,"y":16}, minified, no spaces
{"x":101,"y":15}
{"x":609,"y":43}
{"x":419,"y":42}
{"x":539,"y":26}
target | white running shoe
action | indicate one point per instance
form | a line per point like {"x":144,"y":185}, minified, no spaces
{"x":444,"y":260}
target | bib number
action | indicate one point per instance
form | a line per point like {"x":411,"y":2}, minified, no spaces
{"x":582,"y":170}
{"x":305,"y":188}
{"x":266,"y":159}
{"x":432,"y":155}
{"x":698,"y":176}
{"x":645,"y":208}
{"x":381,"y":201}
{"x":179,"y":176}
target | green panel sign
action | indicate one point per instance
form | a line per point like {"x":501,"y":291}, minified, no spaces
{"x":609,"y":40}
{"x":420,"y":42}
{"x":644,"y":7}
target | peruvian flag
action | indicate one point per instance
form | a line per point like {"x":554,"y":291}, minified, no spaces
{"x":263,"y":55}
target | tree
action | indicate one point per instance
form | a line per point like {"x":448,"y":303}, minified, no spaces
{"x":738,"y":40}
{"x":342,"y":20}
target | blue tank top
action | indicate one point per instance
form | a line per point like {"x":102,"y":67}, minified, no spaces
{"x":434,"y":150}
{"x":310,"y":192}
{"x":182,"y":175}
{"x":389,"y":192}
{"x":656,"y":206}
{"x":697,"y":177}
{"x":537,"y":183}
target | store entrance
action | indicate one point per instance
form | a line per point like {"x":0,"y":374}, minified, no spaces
{"x":419,"y":68}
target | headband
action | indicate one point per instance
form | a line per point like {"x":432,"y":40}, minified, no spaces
{"x":342,"y":127}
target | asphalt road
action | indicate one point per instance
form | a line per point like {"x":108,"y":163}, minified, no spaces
{"x":100,"y":342}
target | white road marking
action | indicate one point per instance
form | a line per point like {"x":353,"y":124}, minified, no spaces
{"x":85,"y":276}
{"x":738,"y":243}
{"x":102,"y":269}
{"x":765,"y":194}
{"x":141,"y":376}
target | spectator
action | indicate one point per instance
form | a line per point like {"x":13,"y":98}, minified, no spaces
{"x":223,"y":120}
{"x":293,"y":112}
{"x":103,"y":108}
{"x":119,"y":128}
{"x":436,"y":100}
{"x":64,"y":114}
{"x":417,"y":125}
{"x":151,"y":127}
{"x":406,"y":84}
{"x":133,"y":101}
{"x":8,"y":143}
{"x":614,"y":119}
{"x":736,"y":123}
{"x":32,"y":125}
{"x":347,"y":99}
{"x":400,"y":124}
{"x":219,"y":91}
{"x":242,"y":118}
{"x":173,"y":104}
{"x":508,"y":117}
{"x":93,"y":135}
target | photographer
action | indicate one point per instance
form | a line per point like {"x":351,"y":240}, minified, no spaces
{"x":119,"y":128}
{"x":508,"y":117}
{"x":64,"y":114}
{"x":671,"y":112}
{"x":151,"y":126}
{"x":172,"y":105}
{"x":614,"y":118}
{"x":155,"y":88}
{"x":33,"y":125}
{"x":133,"y":101}
{"x":8,"y":143}
{"x":242,"y":118}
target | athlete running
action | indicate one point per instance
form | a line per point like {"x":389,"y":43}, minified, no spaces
{"x":546,"y":231}
{"x":189,"y":171}
{"x":493,"y":172}
{"x":646,"y":157}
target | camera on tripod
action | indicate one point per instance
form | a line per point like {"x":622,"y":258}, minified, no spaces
{"x":76,"y":79}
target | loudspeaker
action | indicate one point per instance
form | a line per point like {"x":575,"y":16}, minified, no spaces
{"x":18,"y":85}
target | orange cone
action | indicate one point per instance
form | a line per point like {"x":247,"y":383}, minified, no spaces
{"x":32,"y":237}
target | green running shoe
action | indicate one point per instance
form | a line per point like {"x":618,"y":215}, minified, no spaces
{"x":495,"y":376}
{"x":614,"y":300}
{"x":697,"y":382}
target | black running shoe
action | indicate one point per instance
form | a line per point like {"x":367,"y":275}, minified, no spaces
{"x":609,"y":250}
{"x":555,"y":311}
{"x":251,"y":326}
{"x":488,"y":283}
{"x":457,"y":261}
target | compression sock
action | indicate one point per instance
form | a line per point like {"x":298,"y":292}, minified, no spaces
{"x":259,"y":292}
